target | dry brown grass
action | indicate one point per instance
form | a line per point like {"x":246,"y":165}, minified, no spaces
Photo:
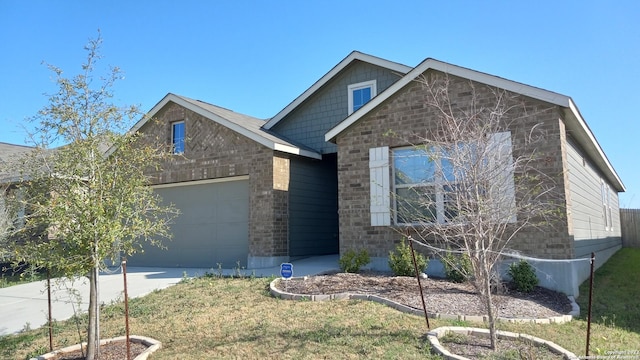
{"x":237,"y":318}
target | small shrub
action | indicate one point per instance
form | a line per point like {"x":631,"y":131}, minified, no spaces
{"x":351,"y":261}
{"x":523,"y":275}
{"x":401,"y":261}
{"x":457,"y":267}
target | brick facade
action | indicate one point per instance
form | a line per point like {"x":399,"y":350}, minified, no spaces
{"x":408,"y":119}
{"x":212,"y":151}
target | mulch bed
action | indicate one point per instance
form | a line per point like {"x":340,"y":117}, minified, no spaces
{"x":114,"y":350}
{"x":476,"y":347}
{"x":441,"y":296}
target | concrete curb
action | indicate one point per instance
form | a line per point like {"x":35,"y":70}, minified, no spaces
{"x":435,"y":334}
{"x":575,"y":309}
{"x":152,"y":344}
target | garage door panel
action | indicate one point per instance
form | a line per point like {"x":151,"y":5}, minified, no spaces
{"x":199,"y":257}
{"x":232,"y":212}
{"x":234,"y":190}
{"x":230,"y":235}
{"x":196,"y":207}
{"x":230,"y":257}
{"x":212,"y":227}
{"x":197,"y":215}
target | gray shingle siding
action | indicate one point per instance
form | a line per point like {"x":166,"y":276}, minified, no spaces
{"x":308,"y":123}
{"x":587,"y":215}
{"x":313,"y":207}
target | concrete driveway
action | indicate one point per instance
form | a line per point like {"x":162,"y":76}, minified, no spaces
{"x":25,"y":306}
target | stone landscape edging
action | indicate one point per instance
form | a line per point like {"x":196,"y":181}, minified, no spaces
{"x":575,"y":309}
{"x":152,"y":346}
{"x":435,"y":334}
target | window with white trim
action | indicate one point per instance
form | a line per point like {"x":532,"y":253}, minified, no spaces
{"x":429,"y":188}
{"x":177,"y":137}
{"x":360,"y":93}
{"x":423,"y":182}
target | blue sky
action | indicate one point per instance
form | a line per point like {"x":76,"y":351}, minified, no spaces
{"x":254,"y":57}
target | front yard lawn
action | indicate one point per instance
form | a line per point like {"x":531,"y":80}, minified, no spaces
{"x":237,"y":318}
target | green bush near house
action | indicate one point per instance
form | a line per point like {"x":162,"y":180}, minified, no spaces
{"x":523,"y":276}
{"x":401,"y":261}
{"x":457,"y":267}
{"x":352,"y":261}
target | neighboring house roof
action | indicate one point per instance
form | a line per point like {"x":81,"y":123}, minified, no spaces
{"x":10,"y":154}
{"x":573,"y":119}
{"x":355,"y":55}
{"x":243,"y":124}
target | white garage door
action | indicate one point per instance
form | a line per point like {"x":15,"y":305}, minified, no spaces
{"x":212,"y":228}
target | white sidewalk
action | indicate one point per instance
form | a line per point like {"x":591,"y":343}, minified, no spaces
{"x":23,"y":306}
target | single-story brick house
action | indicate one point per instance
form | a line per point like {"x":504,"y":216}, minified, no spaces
{"x":10,"y":156}
{"x":260,"y":192}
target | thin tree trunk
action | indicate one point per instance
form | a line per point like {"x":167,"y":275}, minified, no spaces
{"x":93,"y":333}
{"x":491,"y":315}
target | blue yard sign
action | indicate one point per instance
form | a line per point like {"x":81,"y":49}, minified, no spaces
{"x":286,"y":270}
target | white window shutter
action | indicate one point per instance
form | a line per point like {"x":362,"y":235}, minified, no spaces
{"x":379,"y":184}
{"x":501,"y":166}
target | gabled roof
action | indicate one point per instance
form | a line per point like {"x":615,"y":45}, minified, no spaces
{"x":242,"y":124}
{"x":10,"y":156}
{"x":355,"y":55}
{"x":11,"y":151}
{"x":573,"y":119}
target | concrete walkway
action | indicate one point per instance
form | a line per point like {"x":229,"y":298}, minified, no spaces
{"x":25,"y":306}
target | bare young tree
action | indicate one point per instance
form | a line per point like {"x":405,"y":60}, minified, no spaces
{"x":471,"y":183}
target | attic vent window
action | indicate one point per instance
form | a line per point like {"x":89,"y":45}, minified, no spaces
{"x":177,"y":137}
{"x":360,"y":94}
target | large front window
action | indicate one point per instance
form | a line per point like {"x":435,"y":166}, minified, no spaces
{"x":453,"y":183}
{"x":424,"y":183}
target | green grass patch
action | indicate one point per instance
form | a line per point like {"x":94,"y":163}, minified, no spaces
{"x":616,"y":292}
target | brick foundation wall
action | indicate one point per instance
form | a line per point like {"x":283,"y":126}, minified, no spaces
{"x":403,"y":120}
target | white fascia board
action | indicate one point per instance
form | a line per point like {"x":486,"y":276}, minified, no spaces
{"x":151,"y":113}
{"x":355,"y":55}
{"x":491,"y":80}
{"x":146,"y":117}
{"x":455,"y":70}
{"x":245,"y":132}
{"x":594,"y":149}
{"x":200,"y":182}
{"x":297,"y":151}
{"x":502,"y":83}
{"x":224,"y":122}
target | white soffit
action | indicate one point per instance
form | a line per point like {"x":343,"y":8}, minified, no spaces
{"x":592,"y":146}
